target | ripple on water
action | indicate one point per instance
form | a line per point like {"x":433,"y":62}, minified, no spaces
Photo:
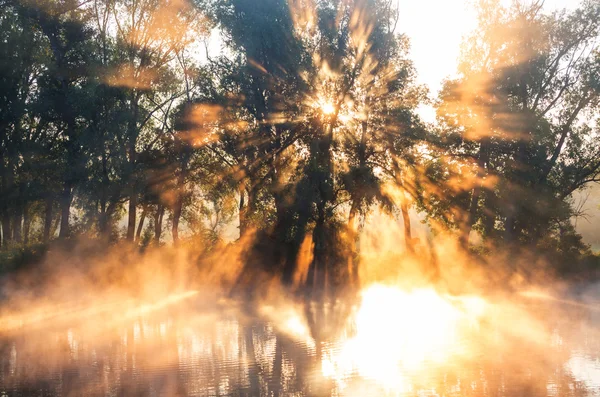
{"x":398,"y":349}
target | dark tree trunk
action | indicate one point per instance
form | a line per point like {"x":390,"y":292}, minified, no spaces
{"x":471,"y":215}
{"x":353,"y":256}
{"x":48,"y":218}
{"x":18,"y":215}
{"x":55,"y":225}
{"x":6,"y":229}
{"x":317,"y":274}
{"x":6,"y":234}
{"x":509,"y":228}
{"x":482,"y":162}
{"x":3,"y":208}
{"x":158,"y":220}
{"x":17,"y":224}
{"x":141,"y":224}
{"x":514,"y":204}
{"x":65,"y":211}
{"x":132,"y":140}
{"x":318,"y":271}
{"x":246,"y":208}
{"x":404,"y":205}
{"x":242,"y":211}
{"x":489,"y":220}
{"x":408,"y":241}
{"x":176,"y":217}
{"x":26,"y":224}
{"x":178,"y":207}
{"x":131,"y":217}
{"x":103,"y":219}
{"x":6,"y":179}
{"x":292,"y":248}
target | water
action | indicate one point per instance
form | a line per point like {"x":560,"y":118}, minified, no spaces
{"x":194,"y":347}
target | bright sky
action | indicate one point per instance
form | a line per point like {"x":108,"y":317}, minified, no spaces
{"x":436,"y":29}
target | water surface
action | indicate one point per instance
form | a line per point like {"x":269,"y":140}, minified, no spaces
{"x":390,"y":344}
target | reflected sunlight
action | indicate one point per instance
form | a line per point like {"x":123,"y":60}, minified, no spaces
{"x":398,"y":332}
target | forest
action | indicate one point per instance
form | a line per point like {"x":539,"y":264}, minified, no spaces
{"x":286,"y":125}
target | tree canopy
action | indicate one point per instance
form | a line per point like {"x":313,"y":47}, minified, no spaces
{"x":291,"y":121}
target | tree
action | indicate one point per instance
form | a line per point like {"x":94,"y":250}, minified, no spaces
{"x":305,"y":81}
{"x":516,"y":119}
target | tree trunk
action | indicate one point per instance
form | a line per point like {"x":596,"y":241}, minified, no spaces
{"x":19,"y":212}
{"x":246,"y":208}
{"x":26,"y":224}
{"x":509,"y":228}
{"x":489,"y":221}
{"x":471,"y":216}
{"x":17,"y":224}
{"x":55,"y":224}
{"x":353,"y":237}
{"x":482,"y":162}
{"x":103,"y":218}
{"x":318,"y":271}
{"x":242,"y":210}
{"x":141,"y":224}
{"x":65,"y":211}
{"x":291,"y":248}
{"x":352,"y":267}
{"x":131,"y":217}
{"x":6,"y":179}
{"x":406,"y":221}
{"x":48,"y":218}
{"x":2,"y":189}
{"x":176,"y":216}
{"x":404,"y":204}
{"x":158,"y":220}
{"x":132,"y":140}
{"x":6,"y":232}
{"x":178,"y":208}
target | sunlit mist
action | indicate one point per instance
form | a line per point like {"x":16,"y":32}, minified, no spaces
{"x":299,"y":198}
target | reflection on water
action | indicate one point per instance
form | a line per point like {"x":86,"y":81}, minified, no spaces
{"x":394,"y":342}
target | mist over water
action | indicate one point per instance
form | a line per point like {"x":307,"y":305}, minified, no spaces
{"x":190,"y":345}
{"x":175,"y":324}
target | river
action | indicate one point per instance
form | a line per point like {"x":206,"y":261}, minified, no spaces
{"x":391,"y":342}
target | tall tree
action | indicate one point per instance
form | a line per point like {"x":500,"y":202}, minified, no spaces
{"x":517,"y":118}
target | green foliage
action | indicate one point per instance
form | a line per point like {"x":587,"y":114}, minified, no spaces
{"x":514,"y":125}
{"x":23,"y":257}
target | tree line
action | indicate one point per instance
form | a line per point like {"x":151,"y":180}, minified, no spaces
{"x":119,"y":118}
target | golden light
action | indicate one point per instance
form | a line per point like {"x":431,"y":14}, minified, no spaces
{"x":147,"y":308}
{"x":123,"y":309}
{"x":398,"y":332}
{"x":288,"y":319}
{"x":327,"y":108}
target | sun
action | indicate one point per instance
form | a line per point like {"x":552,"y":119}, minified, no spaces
{"x":327,"y":108}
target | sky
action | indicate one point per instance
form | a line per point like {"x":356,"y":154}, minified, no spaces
{"x":436,"y":29}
